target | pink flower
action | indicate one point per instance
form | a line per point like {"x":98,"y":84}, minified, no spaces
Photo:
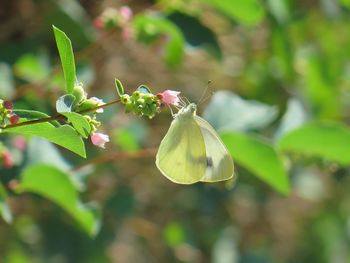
{"x":99,"y":139}
{"x":170,"y":97}
{"x":99,"y":102}
{"x":126,"y":13}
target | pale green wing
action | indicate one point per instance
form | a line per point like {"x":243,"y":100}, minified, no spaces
{"x":181,"y":154}
{"x":219,"y":162}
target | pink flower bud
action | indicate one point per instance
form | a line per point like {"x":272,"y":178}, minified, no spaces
{"x":169,"y":97}
{"x":14,"y":119}
{"x":99,"y":102}
{"x":99,"y":139}
{"x":8,"y":105}
{"x":7,"y":159}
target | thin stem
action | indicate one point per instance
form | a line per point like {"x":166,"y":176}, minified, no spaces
{"x":143,"y":153}
{"x":57,"y":117}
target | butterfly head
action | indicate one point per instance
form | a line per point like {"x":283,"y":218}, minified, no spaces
{"x":187,"y":111}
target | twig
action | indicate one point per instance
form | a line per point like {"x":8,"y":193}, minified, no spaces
{"x":56,"y":117}
{"x":144,"y":153}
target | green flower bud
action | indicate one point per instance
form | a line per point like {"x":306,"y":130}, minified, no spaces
{"x":149,"y":98}
{"x":95,"y":123}
{"x":87,"y":104}
{"x":129,"y":107}
{"x":136,"y":95}
{"x":79,"y":94}
{"x":88,"y":118}
{"x":125,"y":99}
{"x":150,"y":110}
{"x":141,"y":101}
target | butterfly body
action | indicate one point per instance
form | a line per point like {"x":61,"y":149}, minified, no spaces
{"x":191,"y":151}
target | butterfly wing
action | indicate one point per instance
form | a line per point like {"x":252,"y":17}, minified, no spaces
{"x":219,"y":162}
{"x":181,"y":156}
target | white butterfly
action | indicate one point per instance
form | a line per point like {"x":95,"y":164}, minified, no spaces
{"x":192,"y":151}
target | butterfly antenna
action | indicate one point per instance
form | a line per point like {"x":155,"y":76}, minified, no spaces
{"x":187,"y":101}
{"x":183,"y":101}
{"x":205,"y":96}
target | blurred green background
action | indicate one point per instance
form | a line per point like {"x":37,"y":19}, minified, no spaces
{"x":280,"y":73}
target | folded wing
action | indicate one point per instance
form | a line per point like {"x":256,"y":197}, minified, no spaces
{"x":181,"y":154}
{"x":219,"y":162}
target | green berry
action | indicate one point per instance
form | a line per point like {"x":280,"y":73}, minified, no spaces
{"x":140,"y":101}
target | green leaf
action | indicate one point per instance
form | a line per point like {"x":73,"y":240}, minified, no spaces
{"x":41,"y":151}
{"x":130,"y":137}
{"x":346,"y":3}
{"x":64,"y":106}
{"x":294,"y":117}
{"x":319,"y":85}
{"x":32,"y":67}
{"x":150,"y":29}
{"x":64,"y":136}
{"x":229,"y":112}
{"x":196,"y":33}
{"x":280,"y":10}
{"x":33,"y":115}
{"x":144,"y":89}
{"x":65,"y":103}
{"x":283,"y":54}
{"x":125,"y":140}
{"x":327,"y":140}
{"x":80,"y":123}
{"x":247,"y":12}
{"x":55,"y":185}
{"x":119,"y":87}
{"x":65,"y":50}
{"x":16,"y":254}
{"x":259,"y":158}
{"x":5,"y":211}
{"x":174,"y":234}
{"x":74,"y":18}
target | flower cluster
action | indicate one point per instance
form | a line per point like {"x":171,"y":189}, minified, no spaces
{"x":111,"y":18}
{"x":6,"y":113}
{"x":141,"y":102}
{"x":81,"y":104}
